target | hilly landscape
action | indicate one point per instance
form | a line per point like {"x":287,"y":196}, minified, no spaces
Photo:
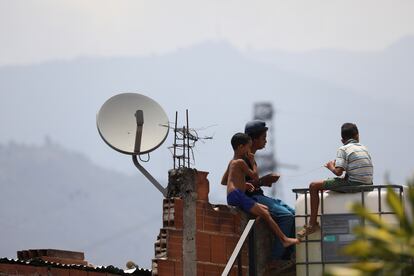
{"x":71,"y":191}
{"x":52,"y":197}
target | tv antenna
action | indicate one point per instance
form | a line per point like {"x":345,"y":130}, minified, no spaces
{"x":133,"y":124}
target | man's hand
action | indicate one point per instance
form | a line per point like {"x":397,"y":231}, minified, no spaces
{"x":269,"y":179}
{"x":330,"y":165}
{"x":335,"y":170}
{"x":250,"y":187}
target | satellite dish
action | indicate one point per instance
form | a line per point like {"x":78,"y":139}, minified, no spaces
{"x":132,"y":123}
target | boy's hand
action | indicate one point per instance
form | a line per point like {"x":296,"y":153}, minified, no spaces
{"x":269,"y":179}
{"x":330,"y":165}
{"x":250,"y":187}
{"x":250,"y":156}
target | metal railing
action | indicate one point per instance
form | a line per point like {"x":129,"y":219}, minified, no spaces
{"x":363,"y":190}
{"x":247,"y":232}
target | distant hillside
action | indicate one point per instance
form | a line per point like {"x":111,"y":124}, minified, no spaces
{"x":313,"y":94}
{"x":384,"y":75}
{"x":52,"y":197}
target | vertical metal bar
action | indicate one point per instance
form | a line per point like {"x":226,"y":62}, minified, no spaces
{"x":175,"y":138}
{"x":188,"y":139}
{"x":363,"y":204}
{"x":306,"y":237}
{"x":184,"y":134}
{"x":379,"y":204}
{"x":239,"y":264}
{"x":321,"y":244}
{"x":252,"y":253}
{"x":238,"y":247}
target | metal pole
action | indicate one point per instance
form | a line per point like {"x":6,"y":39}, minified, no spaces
{"x":149,"y":176}
{"x":188,"y":139}
{"x":184,"y":130}
{"x":175,"y":138}
{"x":252,"y":253}
{"x":238,"y":247}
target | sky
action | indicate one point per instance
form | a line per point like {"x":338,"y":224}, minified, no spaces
{"x":41,"y":30}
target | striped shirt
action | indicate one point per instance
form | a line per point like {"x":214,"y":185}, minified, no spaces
{"x":356,"y":161}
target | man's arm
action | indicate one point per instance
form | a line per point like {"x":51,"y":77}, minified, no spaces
{"x":269,"y":179}
{"x":338,"y":171}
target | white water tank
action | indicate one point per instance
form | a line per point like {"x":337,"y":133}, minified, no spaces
{"x":315,"y":254}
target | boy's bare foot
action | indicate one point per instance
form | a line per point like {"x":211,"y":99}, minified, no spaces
{"x":290,"y":241}
{"x":307,"y":230}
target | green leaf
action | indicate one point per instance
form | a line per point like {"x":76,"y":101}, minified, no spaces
{"x":360,"y":210}
{"x":396,"y":206}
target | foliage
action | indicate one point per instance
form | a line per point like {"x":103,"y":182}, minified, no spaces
{"x":381,"y":248}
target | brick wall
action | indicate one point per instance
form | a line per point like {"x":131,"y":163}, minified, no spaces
{"x":53,"y":262}
{"x":32,"y":270}
{"x":218,"y":229}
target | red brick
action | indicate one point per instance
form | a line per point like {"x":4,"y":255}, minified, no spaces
{"x":178,"y":204}
{"x":8,"y":269}
{"x":203,"y":248}
{"x":211,"y":223}
{"x":59,"y":272}
{"x":178,"y":221}
{"x":165,"y":267}
{"x":202,"y":204}
{"x":218,"y":249}
{"x":61,"y":254}
{"x":78,"y":272}
{"x":237,"y":222}
{"x":212,"y":270}
{"x":95,"y":273}
{"x":63,"y":260}
{"x":235,"y":272}
{"x":200,"y":269}
{"x":226,"y":223}
{"x":175,"y":244}
{"x":245,"y":254}
{"x":178,"y":213}
{"x":175,"y":251}
{"x":30,"y":270}
{"x":178,"y":269}
{"x":231,"y":243}
{"x":200,"y":220}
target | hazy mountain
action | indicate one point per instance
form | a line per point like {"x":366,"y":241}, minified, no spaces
{"x":313,"y":93}
{"x":55,"y":198}
{"x":380,"y":75}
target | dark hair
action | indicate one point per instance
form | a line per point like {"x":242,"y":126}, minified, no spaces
{"x":257,"y":134}
{"x":239,"y":139}
{"x":349,"y":131}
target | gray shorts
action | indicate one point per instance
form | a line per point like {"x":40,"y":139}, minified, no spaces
{"x":337,"y":184}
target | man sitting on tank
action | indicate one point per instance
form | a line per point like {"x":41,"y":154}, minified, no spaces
{"x":353,"y":159}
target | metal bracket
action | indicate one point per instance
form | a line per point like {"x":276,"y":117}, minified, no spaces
{"x":149,"y":176}
{"x":139,"y":115}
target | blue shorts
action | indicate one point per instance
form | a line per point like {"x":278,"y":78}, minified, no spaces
{"x":240,"y":199}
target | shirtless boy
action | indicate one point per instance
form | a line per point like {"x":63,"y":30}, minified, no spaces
{"x":236,"y":185}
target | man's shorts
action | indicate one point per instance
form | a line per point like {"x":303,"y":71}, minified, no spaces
{"x":239,"y":199}
{"x":339,"y":184}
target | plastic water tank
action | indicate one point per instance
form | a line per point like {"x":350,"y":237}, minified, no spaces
{"x":321,"y":250}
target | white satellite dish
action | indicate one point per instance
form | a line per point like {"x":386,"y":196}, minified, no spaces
{"x":119,"y":116}
{"x":133,"y":124}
